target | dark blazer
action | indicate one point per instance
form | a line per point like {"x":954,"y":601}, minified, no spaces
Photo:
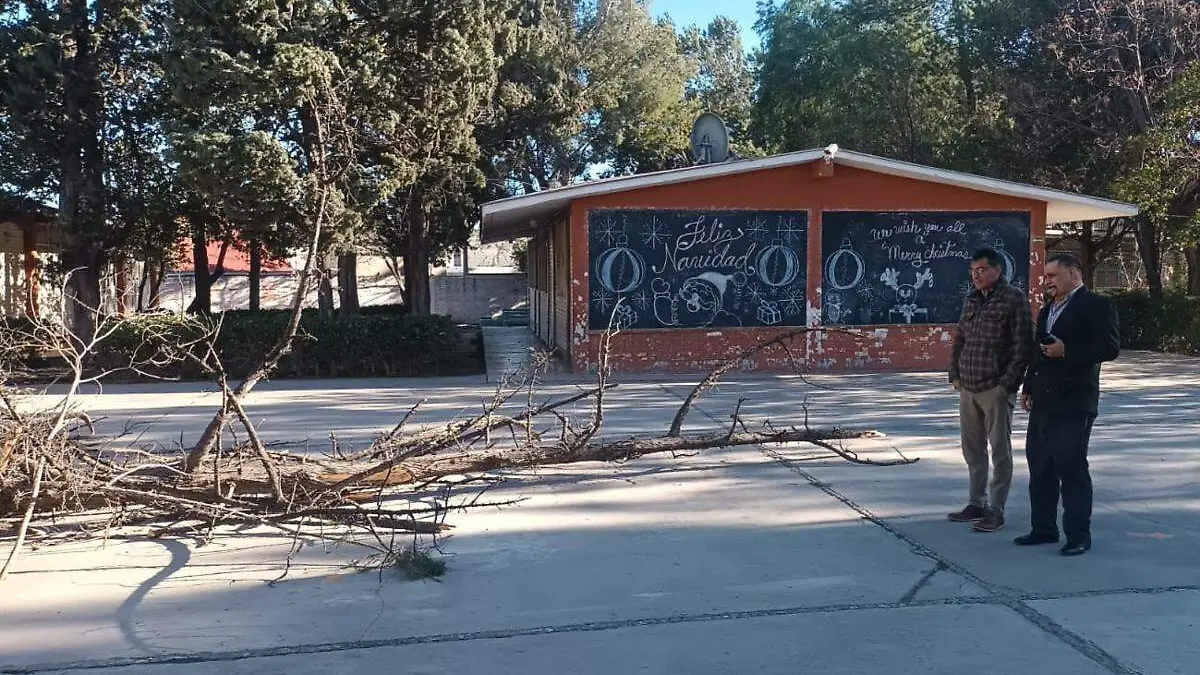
{"x":1089,"y":329}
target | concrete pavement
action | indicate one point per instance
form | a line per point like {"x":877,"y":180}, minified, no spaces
{"x":775,"y":560}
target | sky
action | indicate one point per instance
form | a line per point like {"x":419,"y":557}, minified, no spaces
{"x":701,"y":12}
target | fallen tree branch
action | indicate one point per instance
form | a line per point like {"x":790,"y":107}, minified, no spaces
{"x":24,"y":528}
{"x":622,"y":450}
{"x":710,"y":380}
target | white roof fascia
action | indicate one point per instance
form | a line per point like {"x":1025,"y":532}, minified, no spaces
{"x":516,"y":215}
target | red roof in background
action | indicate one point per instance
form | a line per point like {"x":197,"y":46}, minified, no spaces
{"x":236,"y":261}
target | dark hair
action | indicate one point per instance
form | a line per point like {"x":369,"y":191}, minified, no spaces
{"x":989,"y":255}
{"x":1067,"y":260}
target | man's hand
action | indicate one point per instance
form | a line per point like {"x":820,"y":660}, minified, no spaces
{"x":1054,"y":350}
{"x":955,"y":385}
{"x":1026,"y":402}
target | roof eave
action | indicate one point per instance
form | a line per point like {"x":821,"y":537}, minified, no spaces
{"x":518,"y":216}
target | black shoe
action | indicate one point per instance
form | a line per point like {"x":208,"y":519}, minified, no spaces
{"x":1076,"y":547}
{"x":992,"y":520}
{"x":968,"y":515}
{"x":1033,"y":539}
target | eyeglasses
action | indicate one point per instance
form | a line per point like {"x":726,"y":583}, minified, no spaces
{"x":979,"y":271}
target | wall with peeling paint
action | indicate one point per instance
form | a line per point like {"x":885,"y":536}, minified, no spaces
{"x":816,"y":188}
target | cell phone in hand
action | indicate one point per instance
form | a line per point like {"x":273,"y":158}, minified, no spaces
{"x":1047,"y":339}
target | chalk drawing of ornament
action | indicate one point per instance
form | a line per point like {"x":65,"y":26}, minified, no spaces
{"x":655,"y":234}
{"x":642,"y":300}
{"x":794,"y":303}
{"x":777,"y":265}
{"x":758,"y":228}
{"x":608,"y":232}
{"x":788,"y":229}
{"x":768,"y":314}
{"x":603,"y":299}
{"x":620,"y":269}
{"x":1007,"y":264}
{"x":836,"y":274}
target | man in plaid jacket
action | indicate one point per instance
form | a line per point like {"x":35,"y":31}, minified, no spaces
{"x":992,"y":349}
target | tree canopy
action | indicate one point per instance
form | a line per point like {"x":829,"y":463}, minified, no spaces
{"x":385,"y":124}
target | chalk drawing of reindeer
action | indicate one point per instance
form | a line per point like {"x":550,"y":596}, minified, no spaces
{"x":906,"y":294}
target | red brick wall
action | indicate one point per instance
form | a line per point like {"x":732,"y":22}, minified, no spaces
{"x":881,"y":348}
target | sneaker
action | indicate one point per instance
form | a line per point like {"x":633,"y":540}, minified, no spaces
{"x":968,"y":515}
{"x":993,"y":520}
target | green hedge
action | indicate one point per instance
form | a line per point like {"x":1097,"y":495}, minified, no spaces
{"x":1170,"y":323}
{"x":359,"y":345}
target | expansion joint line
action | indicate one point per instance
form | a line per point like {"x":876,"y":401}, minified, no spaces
{"x":997,"y":593}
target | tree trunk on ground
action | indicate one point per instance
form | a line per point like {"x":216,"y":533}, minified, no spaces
{"x":348,"y":282}
{"x":255,"y":276}
{"x":315,"y":146}
{"x":1151,"y":254}
{"x":416,"y":267}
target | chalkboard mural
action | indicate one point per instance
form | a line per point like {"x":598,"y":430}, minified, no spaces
{"x":912,"y":268}
{"x":694,"y":269}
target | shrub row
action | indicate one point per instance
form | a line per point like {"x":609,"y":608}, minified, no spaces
{"x":1170,"y":323}
{"x":357,"y":345}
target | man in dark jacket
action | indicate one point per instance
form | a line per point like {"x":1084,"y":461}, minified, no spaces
{"x":1077,"y":331}
{"x":992,"y":347}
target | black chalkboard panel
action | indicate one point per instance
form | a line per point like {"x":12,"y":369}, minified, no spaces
{"x":912,"y":267}
{"x":696,"y":269}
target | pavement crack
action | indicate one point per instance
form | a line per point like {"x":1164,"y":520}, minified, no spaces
{"x":594,"y":626}
{"x":169,"y":658}
{"x":921,"y":583}
{"x":997,"y":593}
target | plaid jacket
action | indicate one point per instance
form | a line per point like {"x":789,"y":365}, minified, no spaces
{"x":995,"y":342}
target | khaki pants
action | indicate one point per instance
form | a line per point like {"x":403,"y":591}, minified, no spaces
{"x":985,"y":418}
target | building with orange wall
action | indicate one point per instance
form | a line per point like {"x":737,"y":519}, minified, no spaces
{"x":695,"y":265}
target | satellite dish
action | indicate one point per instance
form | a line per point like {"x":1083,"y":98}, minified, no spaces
{"x":710,"y":139}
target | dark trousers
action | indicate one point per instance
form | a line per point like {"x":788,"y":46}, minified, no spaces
{"x":1056,"y":446}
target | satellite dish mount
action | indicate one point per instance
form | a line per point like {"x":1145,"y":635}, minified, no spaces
{"x":710,"y":139}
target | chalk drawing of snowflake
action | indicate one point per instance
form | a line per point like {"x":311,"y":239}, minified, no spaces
{"x":604,"y":300}
{"x":788,"y":229}
{"x":755,"y":293}
{"x":758,"y":229}
{"x":656,"y":234}
{"x":608,"y":231}
{"x":794,"y":302}
{"x":642,"y":300}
